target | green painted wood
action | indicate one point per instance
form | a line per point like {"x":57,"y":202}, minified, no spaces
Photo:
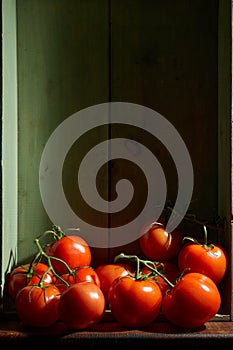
{"x":170,"y":56}
{"x":9,"y":139}
{"x":62,"y":68}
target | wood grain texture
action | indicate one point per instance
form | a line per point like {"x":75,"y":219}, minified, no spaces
{"x":165,"y":55}
{"x":63,"y":68}
{"x":111,"y":334}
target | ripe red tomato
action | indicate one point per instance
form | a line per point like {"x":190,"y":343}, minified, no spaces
{"x":26,"y":274}
{"x":80,"y":274}
{"x":193,"y":301}
{"x":73,"y":250}
{"x":169,"y":269}
{"x":134,"y":303}
{"x":81,"y":305}
{"x":211,"y":260}
{"x":108,"y":273}
{"x":38,"y":306}
{"x":159,"y":245}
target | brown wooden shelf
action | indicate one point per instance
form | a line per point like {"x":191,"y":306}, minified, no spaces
{"x":109,"y":334}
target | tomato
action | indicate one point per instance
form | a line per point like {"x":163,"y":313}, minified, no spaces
{"x":134,"y":302}
{"x":81,"y":305}
{"x":80,"y":274}
{"x":108,"y":273}
{"x":38,"y":306}
{"x":193,"y":301}
{"x":211,"y":260}
{"x":25,"y":274}
{"x":159,"y":245}
{"x":72,"y":249}
{"x":169,"y":269}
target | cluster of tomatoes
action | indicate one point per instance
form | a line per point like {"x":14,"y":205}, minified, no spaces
{"x":176,"y":278}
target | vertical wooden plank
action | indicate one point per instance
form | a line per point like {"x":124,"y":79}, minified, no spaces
{"x":63,"y":68}
{"x":225,"y":138}
{"x":224,"y":111}
{"x":164,"y":56}
{"x":9,"y":139}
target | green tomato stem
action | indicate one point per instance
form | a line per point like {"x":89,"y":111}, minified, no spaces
{"x":205,"y":235}
{"x":195,"y":241}
{"x":48,"y":258}
{"x":149,"y":264}
{"x":193,"y":219}
{"x":191,"y":239}
{"x":56,"y":232}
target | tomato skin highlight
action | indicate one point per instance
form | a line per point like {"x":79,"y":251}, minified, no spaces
{"x":211,"y":261}
{"x":159,"y":245}
{"x":23,"y":275}
{"x":192,"y":302}
{"x":134,"y":303}
{"x":108,"y":273}
{"x":81,"y":305}
{"x":38,"y":307}
{"x":74,"y":250}
{"x":80,"y":274}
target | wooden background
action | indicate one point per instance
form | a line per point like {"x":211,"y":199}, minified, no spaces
{"x":170,"y":56}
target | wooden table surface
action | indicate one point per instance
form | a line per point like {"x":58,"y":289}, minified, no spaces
{"x":109,"y":334}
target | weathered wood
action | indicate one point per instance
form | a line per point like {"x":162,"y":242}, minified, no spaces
{"x":9,"y":131}
{"x":170,"y":56}
{"x":112,"y":334}
{"x":164,"y":56}
{"x":63,"y":68}
{"x":225,"y":139}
